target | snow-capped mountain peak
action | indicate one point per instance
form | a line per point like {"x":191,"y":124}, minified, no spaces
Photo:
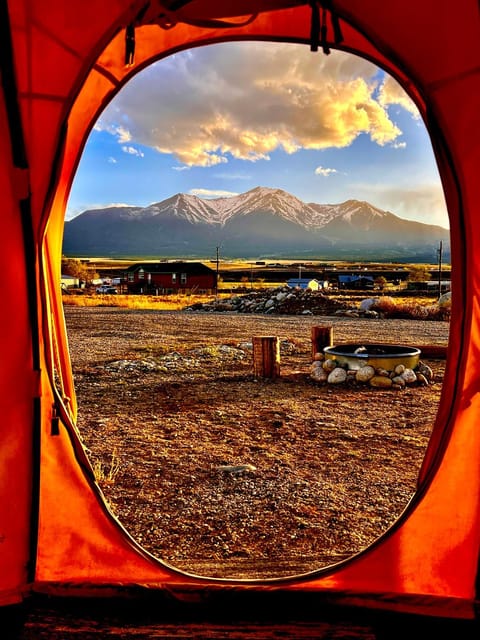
{"x":262,"y":220}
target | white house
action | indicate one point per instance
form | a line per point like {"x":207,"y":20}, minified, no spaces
{"x":306,"y":283}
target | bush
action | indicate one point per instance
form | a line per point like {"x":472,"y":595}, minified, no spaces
{"x":388,"y":308}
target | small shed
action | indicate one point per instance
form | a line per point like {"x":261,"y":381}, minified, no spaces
{"x":69,"y":281}
{"x":304,"y":283}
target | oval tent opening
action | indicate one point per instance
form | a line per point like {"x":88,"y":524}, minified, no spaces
{"x":220,"y":236}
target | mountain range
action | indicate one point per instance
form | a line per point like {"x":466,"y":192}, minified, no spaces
{"x":260,"y":222}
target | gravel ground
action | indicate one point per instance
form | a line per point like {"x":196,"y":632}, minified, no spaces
{"x":222,"y":474}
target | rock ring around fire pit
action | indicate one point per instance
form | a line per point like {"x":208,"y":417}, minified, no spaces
{"x":385,"y":356}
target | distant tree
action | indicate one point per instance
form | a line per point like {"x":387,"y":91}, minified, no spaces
{"x":418,"y":273}
{"x":78,"y":269}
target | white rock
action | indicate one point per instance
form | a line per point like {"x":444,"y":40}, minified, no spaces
{"x":399,"y":369}
{"x":409,"y":376}
{"x":445,"y":301}
{"x":337,"y":376}
{"x":368,"y":303}
{"x":329,"y":365}
{"x":364,"y":374}
{"x":319,"y":374}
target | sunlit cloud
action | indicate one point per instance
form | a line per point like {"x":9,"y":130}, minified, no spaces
{"x":212,"y":193}
{"x":112,"y":160}
{"x":120,"y":132}
{"x":324,"y":171}
{"x":133,"y":151}
{"x":391,"y":93}
{"x":247,"y":100}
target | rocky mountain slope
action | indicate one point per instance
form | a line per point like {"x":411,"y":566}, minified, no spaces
{"x":260,"y":222}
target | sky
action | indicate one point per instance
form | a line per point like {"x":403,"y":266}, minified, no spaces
{"x":222,"y":119}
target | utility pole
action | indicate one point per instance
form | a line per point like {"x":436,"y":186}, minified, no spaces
{"x":216,"y":279}
{"x":439,"y":251}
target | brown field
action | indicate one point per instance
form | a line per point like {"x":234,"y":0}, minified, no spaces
{"x":163,"y":406}
{"x":169,"y":408}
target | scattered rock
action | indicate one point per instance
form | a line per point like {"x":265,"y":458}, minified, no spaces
{"x":368,"y":303}
{"x":331,"y":372}
{"x":337,"y":376}
{"x":422,"y":380}
{"x":282,"y":300}
{"x":381,"y":382}
{"x":409,"y":376}
{"x":329,"y":365}
{"x":425,"y":370}
{"x":236,"y":469}
{"x":366,"y":373}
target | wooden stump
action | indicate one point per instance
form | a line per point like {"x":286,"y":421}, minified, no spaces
{"x":321,"y":337}
{"x":266,"y":357}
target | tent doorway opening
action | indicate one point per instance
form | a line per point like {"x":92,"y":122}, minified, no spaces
{"x":215,"y":472}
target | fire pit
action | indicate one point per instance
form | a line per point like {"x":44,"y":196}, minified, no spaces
{"x":385,"y":356}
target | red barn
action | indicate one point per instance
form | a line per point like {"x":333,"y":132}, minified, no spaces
{"x":169,"y":277}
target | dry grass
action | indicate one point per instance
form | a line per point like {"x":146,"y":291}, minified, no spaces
{"x":173,"y":302}
{"x":414,"y":308}
{"x":411,"y":308}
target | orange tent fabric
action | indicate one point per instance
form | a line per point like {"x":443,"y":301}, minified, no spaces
{"x":60,"y":63}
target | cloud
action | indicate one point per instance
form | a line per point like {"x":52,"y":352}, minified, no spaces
{"x":324,"y":171}
{"x":212,"y":193}
{"x":132,"y":151}
{"x":73,"y":212}
{"x":391,"y":93}
{"x":112,"y":160}
{"x":246,"y":100}
{"x":232,"y":176}
{"x":425,"y":202}
{"x":399,"y":145}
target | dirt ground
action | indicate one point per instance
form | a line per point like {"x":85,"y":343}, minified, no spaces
{"x":223,"y":474}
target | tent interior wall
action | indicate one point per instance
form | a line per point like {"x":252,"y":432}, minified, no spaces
{"x":61,"y":63}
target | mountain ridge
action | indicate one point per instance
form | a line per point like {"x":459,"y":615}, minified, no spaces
{"x":261,"y":221}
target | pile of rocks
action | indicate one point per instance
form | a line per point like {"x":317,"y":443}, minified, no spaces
{"x":282,"y":300}
{"x":329,"y":371}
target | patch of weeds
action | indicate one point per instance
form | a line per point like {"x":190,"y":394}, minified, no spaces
{"x":152,"y":349}
{"x":107,"y":473}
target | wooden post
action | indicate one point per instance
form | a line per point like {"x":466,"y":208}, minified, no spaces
{"x":266,"y":357}
{"x":321,"y":337}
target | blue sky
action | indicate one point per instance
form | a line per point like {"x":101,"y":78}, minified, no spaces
{"x":223,"y":119}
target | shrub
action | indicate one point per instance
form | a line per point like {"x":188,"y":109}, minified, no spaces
{"x":388,"y":308}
